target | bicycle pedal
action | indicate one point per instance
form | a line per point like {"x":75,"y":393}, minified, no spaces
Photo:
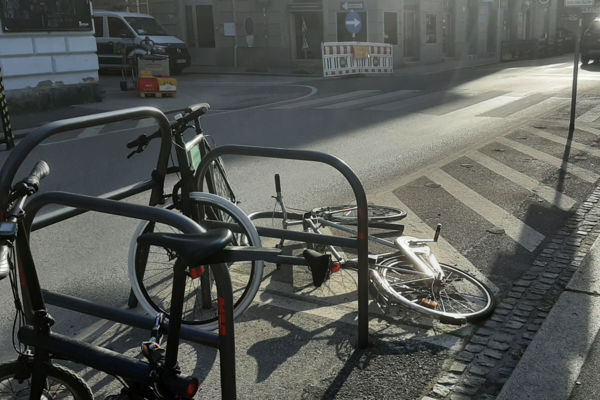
{"x":429,"y":303}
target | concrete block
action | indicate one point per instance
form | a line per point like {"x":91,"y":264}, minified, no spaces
{"x":12,"y":46}
{"x":19,"y":66}
{"x":49,"y":45}
{"x":81,"y":44}
{"x":76,"y":62}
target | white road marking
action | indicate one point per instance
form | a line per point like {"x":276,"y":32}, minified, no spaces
{"x":520,"y":232}
{"x":552,"y":196}
{"x":483,"y":106}
{"x":554,"y":161}
{"x":590,"y":116}
{"x":373,"y":99}
{"x":563,"y":141}
{"x":90,"y":131}
{"x":328,"y":99}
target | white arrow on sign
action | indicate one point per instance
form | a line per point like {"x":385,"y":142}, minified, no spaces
{"x":355,"y":22}
{"x":347,"y":5}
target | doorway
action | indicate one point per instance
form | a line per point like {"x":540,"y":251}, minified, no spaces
{"x":411,"y":32}
{"x":200,"y":32}
{"x":308,"y":35}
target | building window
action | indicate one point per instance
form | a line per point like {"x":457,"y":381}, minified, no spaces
{"x":390,"y":28}
{"x":344,"y":33}
{"x":28,"y":15}
{"x":430,"y":29}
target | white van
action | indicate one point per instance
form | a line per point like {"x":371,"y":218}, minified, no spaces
{"x":119,"y":36}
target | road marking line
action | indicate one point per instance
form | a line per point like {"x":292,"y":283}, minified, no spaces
{"x":444,"y":251}
{"x":563,"y":141}
{"x":590,"y":116}
{"x":483,"y":106}
{"x":552,"y":196}
{"x":520,"y":232}
{"x":415,"y":101}
{"x":403,"y":94}
{"x":541,"y":108}
{"x":91,"y":131}
{"x":325,"y":100}
{"x":548,"y":159}
{"x":588,"y":129}
{"x":145,"y":123}
{"x":516,"y":106}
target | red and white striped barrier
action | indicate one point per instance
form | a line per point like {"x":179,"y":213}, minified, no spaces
{"x":347,"y":58}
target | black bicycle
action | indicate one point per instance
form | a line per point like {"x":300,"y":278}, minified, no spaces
{"x":150,"y":266}
{"x":35,"y":376}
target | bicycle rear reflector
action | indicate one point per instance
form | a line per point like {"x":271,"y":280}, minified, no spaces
{"x":197,"y":272}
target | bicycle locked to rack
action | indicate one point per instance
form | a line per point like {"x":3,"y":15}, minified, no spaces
{"x":405,"y":273}
{"x":34,"y":374}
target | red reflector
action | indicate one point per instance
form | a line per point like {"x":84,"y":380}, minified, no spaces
{"x":336,"y":267}
{"x":197,"y":272}
{"x":192,"y":388}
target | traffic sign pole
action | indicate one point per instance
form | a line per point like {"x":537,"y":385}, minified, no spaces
{"x":575,"y":71}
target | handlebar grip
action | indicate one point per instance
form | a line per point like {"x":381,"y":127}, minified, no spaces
{"x":39,"y":172}
{"x":277,"y":184}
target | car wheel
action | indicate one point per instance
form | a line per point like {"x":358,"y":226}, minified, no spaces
{"x":585,"y":60}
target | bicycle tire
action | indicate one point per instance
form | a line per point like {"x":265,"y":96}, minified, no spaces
{"x":347,"y":213}
{"x":460,"y":298}
{"x":61,"y":383}
{"x":153,"y":291}
{"x":216,"y":177}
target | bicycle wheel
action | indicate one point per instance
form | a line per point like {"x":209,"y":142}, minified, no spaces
{"x":61,"y":383}
{"x":151,"y":268}
{"x":347,"y":213}
{"x":458,"y":298}
{"x":216,"y":181}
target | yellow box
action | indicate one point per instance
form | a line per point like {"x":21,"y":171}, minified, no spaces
{"x":167,"y":84}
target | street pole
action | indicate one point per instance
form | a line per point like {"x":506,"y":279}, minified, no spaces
{"x":235,"y":42}
{"x":575,"y":70}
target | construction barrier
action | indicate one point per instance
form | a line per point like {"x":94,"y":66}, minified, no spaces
{"x":347,"y":58}
{"x":5,"y":118}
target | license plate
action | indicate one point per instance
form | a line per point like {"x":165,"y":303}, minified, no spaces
{"x":180,"y":61}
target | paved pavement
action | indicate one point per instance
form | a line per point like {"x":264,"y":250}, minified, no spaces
{"x":540,"y":343}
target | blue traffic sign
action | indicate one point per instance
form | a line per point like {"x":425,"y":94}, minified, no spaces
{"x":353,"y":22}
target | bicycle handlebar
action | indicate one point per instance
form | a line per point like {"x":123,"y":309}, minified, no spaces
{"x":191,"y":113}
{"x":30,"y":184}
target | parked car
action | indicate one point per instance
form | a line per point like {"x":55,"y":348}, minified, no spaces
{"x":119,"y":38}
{"x":590,"y":42}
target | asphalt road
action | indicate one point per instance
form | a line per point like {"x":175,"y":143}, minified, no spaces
{"x":481,"y":150}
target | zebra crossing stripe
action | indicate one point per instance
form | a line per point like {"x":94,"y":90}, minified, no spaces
{"x":516,"y":106}
{"x":483,"y":106}
{"x":552,"y":196}
{"x":548,"y":159}
{"x":326,"y":100}
{"x":589,"y":129}
{"x":402,"y":94}
{"x":517,"y":230}
{"x":563,"y":141}
{"x":590,"y":116}
{"x":414,"y":226}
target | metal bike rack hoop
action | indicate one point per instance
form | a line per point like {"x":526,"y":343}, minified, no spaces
{"x":20,"y":152}
{"x":361,"y":243}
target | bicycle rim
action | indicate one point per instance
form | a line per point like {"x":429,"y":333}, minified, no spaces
{"x":153,"y":286}
{"x":458,"y":297}
{"x":375,"y":213}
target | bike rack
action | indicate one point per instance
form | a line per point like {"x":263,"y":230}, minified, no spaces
{"x":224,"y":342}
{"x":360,"y":243}
{"x":78,"y":204}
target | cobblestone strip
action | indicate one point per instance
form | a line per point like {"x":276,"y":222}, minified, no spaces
{"x":487,"y":361}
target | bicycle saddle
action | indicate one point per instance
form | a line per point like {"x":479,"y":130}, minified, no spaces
{"x":194,"y":248}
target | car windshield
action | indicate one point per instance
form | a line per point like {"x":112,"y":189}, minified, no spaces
{"x":146,"y":26}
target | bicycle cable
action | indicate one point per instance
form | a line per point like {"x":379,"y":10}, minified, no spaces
{"x":19,"y":319}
